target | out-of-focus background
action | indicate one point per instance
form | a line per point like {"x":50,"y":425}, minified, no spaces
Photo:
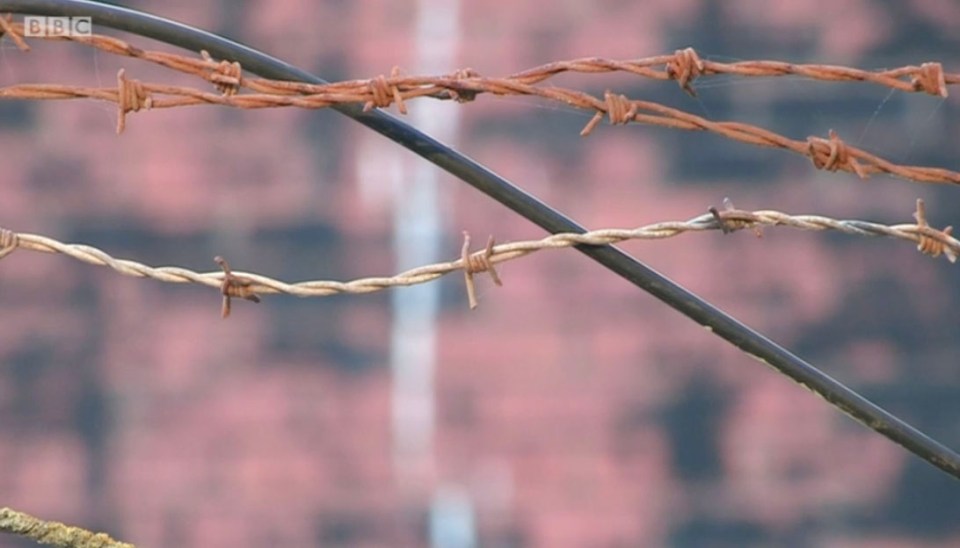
{"x":570,"y":408}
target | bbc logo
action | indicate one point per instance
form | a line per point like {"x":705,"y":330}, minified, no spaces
{"x":37,"y":25}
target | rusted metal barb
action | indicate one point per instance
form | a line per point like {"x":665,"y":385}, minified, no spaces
{"x":931,"y":241}
{"x":234,"y":286}
{"x":475,"y":263}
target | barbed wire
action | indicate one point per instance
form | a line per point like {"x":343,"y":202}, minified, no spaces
{"x":832,"y":153}
{"x":246,"y":285}
{"x":54,"y":533}
{"x":683,"y":66}
{"x":718,"y":322}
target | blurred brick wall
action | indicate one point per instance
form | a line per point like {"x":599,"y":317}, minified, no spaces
{"x":572,"y":409}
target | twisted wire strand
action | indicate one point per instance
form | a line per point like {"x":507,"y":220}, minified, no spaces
{"x":54,"y":533}
{"x":830,"y":153}
{"x":684,"y":66}
{"x":930,"y":241}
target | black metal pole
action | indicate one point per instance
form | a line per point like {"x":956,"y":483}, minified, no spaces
{"x":498,"y":188}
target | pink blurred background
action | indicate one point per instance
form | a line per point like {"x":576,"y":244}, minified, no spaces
{"x":570,"y":408}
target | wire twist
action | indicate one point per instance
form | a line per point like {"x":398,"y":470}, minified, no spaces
{"x":384,"y":93}
{"x":226,"y":76}
{"x":476,"y":263}
{"x":832,"y":154}
{"x":685,"y":67}
{"x":930,"y":79}
{"x":132,"y":95}
{"x":9,"y":241}
{"x":234,"y":285}
{"x":931,"y":241}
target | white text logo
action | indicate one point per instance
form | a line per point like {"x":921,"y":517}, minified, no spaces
{"x":36,"y":25}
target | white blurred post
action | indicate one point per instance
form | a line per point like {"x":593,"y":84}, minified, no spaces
{"x":418,"y":233}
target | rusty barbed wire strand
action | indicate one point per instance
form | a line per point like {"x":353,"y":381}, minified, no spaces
{"x":683,"y":66}
{"x":832,"y":154}
{"x":54,"y":533}
{"x":929,"y":241}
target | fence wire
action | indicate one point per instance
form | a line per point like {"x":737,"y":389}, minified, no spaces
{"x":247,"y":285}
{"x":684,"y":66}
{"x":830,"y":153}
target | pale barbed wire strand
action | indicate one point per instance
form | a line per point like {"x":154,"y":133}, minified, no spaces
{"x":931,"y":241}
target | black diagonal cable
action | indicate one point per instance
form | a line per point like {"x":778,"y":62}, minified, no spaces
{"x":503,"y":191}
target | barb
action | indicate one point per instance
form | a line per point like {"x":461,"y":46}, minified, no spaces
{"x":931,"y":241}
{"x":8,"y":242}
{"x":54,"y":533}
{"x":476,"y":263}
{"x":728,"y":221}
{"x":233,"y":285}
{"x":247,"y":285}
